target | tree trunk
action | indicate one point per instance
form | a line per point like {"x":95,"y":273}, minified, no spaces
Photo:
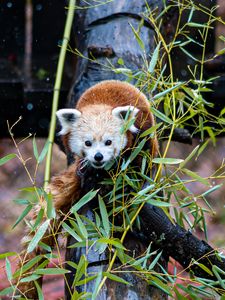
{"x":103,"y":34}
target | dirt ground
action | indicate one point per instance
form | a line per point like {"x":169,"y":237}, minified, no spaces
{"x":13,"y":177}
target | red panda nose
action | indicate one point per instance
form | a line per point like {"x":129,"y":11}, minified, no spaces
{"x":98,"y":156}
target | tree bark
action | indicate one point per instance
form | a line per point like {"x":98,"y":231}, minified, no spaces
{"x":180,"y":244}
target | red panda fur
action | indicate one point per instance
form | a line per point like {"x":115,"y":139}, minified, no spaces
{"x":66,"y":188}
{"x":116,"y":93}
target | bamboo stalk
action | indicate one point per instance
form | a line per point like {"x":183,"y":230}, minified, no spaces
{"x":57,"y":86}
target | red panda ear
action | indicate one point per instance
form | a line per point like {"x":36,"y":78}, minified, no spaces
{"x":67,"y":116}
{"x":125,"y":113}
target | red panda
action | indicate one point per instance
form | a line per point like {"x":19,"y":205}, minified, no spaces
{"x":92,"y":132}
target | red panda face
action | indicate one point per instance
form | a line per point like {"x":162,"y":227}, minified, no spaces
{"x":95,"y":133}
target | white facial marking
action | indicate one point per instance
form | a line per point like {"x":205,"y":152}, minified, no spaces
{"x":96,"y":136}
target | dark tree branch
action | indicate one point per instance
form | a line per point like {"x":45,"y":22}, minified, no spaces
{"x":179,"y":243}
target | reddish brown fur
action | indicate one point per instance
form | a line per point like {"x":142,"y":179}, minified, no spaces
{"x":117,"y":93}
{"x":66,"y":187}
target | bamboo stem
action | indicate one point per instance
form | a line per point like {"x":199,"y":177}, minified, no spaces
{"x":57,"y":86}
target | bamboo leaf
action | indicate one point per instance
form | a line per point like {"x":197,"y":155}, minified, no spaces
{"x":84,"y":200}
{"x":214,"y":188}
{"x":154,"y":59}
{"x":71,"y":232}
{"x":139,"y":40}
{"x":82,"y":228}
{"x":30,"y":278}
{"x":7,"y":254}
{"x":189,"y":157}
{"x":196,"y":176}
{"x":167,"y":161}
{"x":6,"y":158}
{"x":50,"y":206}
{"x":51,"y":271}
{"x":150,"y":130}
{"x":198,"y":25}
{"x":43,"y":152}
{"x":114,"y":242}
{"x":23,"y":215}
{"x":35,"y":150}
{"x":21,"y":201}
{"x":116,"y":278}
{"x":158,"y":203}
{"x":39,"y":291}
{"x":8,"y":269}
{"x":104,"y":215}
{"x":97,"y":283}
{"x":165,"y":92}
{"x":38,"y":236}
{"x":155,"y":260}
{"x":161,"y":116}
{"x":81,"y":269}
{"x":134,"y":154}
{"x":27,"y":266}
{"x":7,"y":291}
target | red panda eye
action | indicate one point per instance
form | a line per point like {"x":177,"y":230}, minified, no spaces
{"x":108,"y":142}
{"x":88,"y":143}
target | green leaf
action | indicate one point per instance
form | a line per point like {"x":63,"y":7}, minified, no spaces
{"x":161,"y":116}
{"x":198,"y":25}
{"x":203,"y":267}
{"x":167,"y":161}
{"x":116,"y":278}
{"x":120,"y":61}
{"x":38,"y":236}
{"x":158,"y":203}
{"x":21,"y":201}
{"x":6,"y":158}
{"x":154,"y":59}
{"x":44,"y":152}
{"x":36,"y":155}
{"x":27,"y":266}
{"x":6,"y":254}
{"x":50,"y":206}
{"x":134,"y":154}
{"x":96,"y":287}
{"x":39,"y":291}
{"x":189,"y":54}
{"x":30,"y":278}
{"x":23,"y":215}
{"x":39,"y":218}
{"x":82,"y":227}
{"x":104,"y":215}
{"x":155,"y":260}
{"x":195,"y":176}
{"x":84,"y":200}
{"x":115,"y":242}
{"x":150,"y":130}
{"x":8,"y":269}
{"x":51,"y":271}
{"x":162,"y":286}
{"x":81,"y":269}
{"x":189,"y":157}
{"x":71,"y":232}
{"x":139,"y":40}
{"x":214,"y":188}
{"x":165,"y":92}
{"x":85,"y":280}
{"x":7,"y":291}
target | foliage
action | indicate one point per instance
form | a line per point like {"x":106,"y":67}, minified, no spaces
{"x":183,"y":105}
